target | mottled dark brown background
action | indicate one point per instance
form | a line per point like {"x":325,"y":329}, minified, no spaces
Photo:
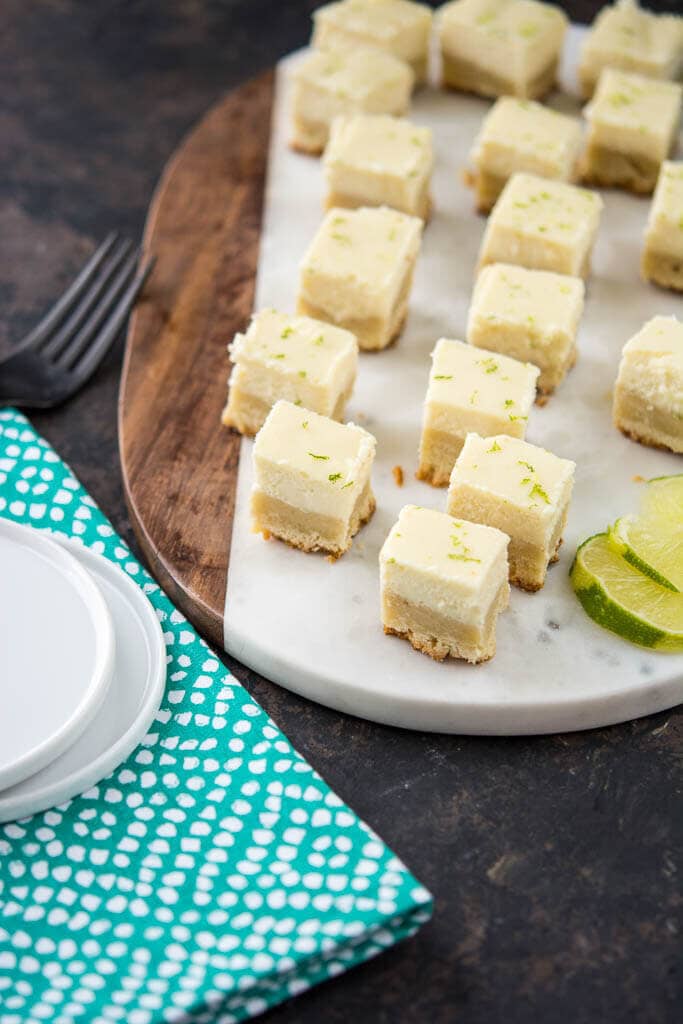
{"x":554,"y":861}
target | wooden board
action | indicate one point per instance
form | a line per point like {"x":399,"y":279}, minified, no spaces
{"x":179,"y":464}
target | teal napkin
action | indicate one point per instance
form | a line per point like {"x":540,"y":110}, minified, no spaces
{"x":213,"y":874}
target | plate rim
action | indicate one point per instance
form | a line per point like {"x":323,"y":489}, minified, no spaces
{"x":105,"y":652}
{"x":62,"y":790}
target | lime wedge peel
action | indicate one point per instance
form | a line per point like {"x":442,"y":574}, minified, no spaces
{"x":620,"y":598}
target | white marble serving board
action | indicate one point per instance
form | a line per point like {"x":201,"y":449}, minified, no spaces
{"x":314,"y":627}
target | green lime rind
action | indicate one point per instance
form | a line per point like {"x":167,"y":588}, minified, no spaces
{"x":621,"y":541}
{"x":618,"y":597}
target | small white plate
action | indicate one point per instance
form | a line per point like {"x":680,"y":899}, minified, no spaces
{"x":130,"y":705}
{"x":56,"y":651}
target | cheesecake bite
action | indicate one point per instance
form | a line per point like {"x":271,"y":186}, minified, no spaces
{"x":358,"y":272}
{"x":470,"y":390}
{"x":307,"y":362}
{"x":400,"y":27}
{"x":633,"y":124}
{"x":501,"y":47}
{"x":626,"y":37}
{"x":520,"y":135}
{"x":328,"y":84}
{"x":377,"y":160}
{"x":648,"y":397}
{"x":311,"y":479}
{"x":520,"y":489}
{"x":542,"y":225}
{"x":531,"y":315}
{"x":662,"y":260}
{"x":443,"y":583}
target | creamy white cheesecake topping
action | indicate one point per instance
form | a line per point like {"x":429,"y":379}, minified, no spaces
{"x":467,"y":383}
{"x":626,"y":36}
{"x":548,"y":210}
{"x":357,"y":262}
{"x":379,"y":144}
{"x":538,"y":300}
{"x":296,"y":346}
{"x":491,"y":32}
{"x":519,"y":132}
{"x":530,"y":484}
{"x":630,"y":112}
{"x":399,"y":26}
{"x":312,"y":462}
{"x":445,"y":563}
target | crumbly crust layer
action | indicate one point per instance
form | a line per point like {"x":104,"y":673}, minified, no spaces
{"x":309,"y":136}
{"x":662,"y":268}
{"x":438,"y":452}
{"x":246,"y":413}
{"x":611,"y":168}
{"x":469,"y":77}
{"x":645,"y":423}
{"x":553,"y":375}
{"x":438,"y":635}
{"x":372,"y":332}
{"x":529,"y":564}
{"x":310,"y":531}
{"x":487,"y":187}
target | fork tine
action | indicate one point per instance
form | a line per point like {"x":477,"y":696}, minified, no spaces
{"x":55,"y":345}
{"x":97,"y":317}
{"x":105,"y":338}
{"x":62,"y":306}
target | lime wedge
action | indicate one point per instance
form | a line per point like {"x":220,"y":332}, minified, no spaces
{"x":620,"y":598}
{"x":653,"y":541}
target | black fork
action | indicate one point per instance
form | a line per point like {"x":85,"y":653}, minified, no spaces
{"x":59,"y":355}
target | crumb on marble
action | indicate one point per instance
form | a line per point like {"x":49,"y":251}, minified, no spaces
{"x":397,"y":472}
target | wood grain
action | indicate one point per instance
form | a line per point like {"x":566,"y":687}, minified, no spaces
{"x":179,"y":464}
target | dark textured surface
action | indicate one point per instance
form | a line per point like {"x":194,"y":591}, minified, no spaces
{"x":553,"y":861}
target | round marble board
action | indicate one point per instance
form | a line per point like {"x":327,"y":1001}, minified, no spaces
{"x":225,"y":244}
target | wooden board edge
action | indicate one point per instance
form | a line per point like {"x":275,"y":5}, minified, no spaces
{"x":206,"y":615}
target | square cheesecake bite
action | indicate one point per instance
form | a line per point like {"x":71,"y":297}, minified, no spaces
{"x":625,"y":36}
{"x":648,"y":397}
{"x":520,"y":489}
{"x":305,"y":361}
{"x":532,"y":315}
{"x":633,"y":124}
{"x":470,"y":390}
{"x":520,"y":135}
{"x":400,"y":27}
{"x":376,"y":160}
{"x":662,"y":260}
{"x":542,"y":225}
{"x":327,"y":84}
{"x":499,"y":47}
{"x":311,"y":480}
{"x":443,"y":584}
{"x":358,"y":272}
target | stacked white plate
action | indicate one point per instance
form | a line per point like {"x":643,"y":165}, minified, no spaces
{"x":82,"y":669}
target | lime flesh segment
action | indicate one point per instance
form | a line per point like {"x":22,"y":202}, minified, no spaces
{"x":620,"y":598}
{"x":653,"y":540}
{"x":645,"y":544}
